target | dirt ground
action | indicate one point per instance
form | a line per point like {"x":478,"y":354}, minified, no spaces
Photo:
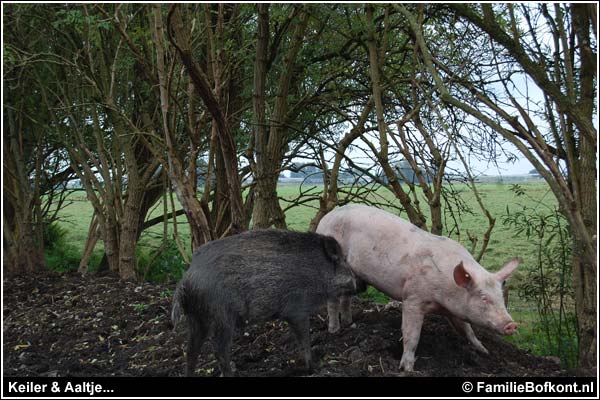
{"x":98,"y":325}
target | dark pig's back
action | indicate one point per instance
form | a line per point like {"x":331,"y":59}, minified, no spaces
{"x":261,"y":273}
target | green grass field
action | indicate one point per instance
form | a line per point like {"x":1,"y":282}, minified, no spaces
{"x":498,"y":198}
{"x":504,"y":243}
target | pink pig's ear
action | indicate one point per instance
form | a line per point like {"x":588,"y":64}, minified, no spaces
{"x":508,"y":269}
{"x":461,"y":276}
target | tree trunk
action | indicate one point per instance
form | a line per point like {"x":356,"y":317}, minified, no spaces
{"x":90,"y":244}
{"x":585,"y":265}
{"x":199,"y":228}
{"x":129,"y":233}
{"x":182,"y":186}
{"x":181,"y":40}
{"x":269,"y":152}
{"x":414,"y":215}
{"x":330,"y":191}
{"x":584,"y":277}
{"x":261,"y":213}
{"x":23,"y":249}
{"x":110,"y":236}
{"x":23,"y":244}
{"x":221,"y":215}
{"x":267,"y":211}
{"x":575,"y":192}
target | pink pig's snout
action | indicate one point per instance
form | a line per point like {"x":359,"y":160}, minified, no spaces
{"x":510,"y":328}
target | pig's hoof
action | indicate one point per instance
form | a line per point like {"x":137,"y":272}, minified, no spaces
{"x":482,"y":350}
{"x":353,"y":325}
{"x":407,"y":366}
{"x":334,"y":329}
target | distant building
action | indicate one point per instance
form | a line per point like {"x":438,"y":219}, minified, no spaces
{"x":508,"y":178}
{"x":311,"y":174}
{"x":405,"y":173}
{"x":534,"y":172}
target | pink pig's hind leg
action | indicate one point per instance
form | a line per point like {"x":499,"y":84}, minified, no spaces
{"x":465,"y":329}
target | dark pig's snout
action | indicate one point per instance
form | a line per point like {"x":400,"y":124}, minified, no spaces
{"x":345,"y":280}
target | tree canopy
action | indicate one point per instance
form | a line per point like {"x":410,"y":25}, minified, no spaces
{"x":213,"y":102}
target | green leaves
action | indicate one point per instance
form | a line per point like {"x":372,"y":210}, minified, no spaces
{"x":72,"y":18}
{"x":75,"y":18}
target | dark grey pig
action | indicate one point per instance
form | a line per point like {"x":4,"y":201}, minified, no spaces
{"x":255,"y":276}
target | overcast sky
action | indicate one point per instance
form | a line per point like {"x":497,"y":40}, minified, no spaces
{"x":518,"y":167}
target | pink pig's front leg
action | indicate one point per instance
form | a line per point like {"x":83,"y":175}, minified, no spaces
{"x":412,"y":321}
{"x":465,"y":329}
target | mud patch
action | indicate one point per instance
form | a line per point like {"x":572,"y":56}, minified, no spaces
{"x":98,"y":325}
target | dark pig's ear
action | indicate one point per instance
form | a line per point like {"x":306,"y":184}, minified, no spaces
{"x":332,"y":248}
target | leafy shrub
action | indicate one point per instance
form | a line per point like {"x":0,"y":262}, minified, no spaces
{"x":162,"y":265}
{"x":54,"y":235}
{"x":60,"y":255}
{"x":374,"y":295}
{"x":548,"y":284}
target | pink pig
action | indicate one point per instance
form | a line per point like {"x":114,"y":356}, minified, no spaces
{"x":429,"y":273}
